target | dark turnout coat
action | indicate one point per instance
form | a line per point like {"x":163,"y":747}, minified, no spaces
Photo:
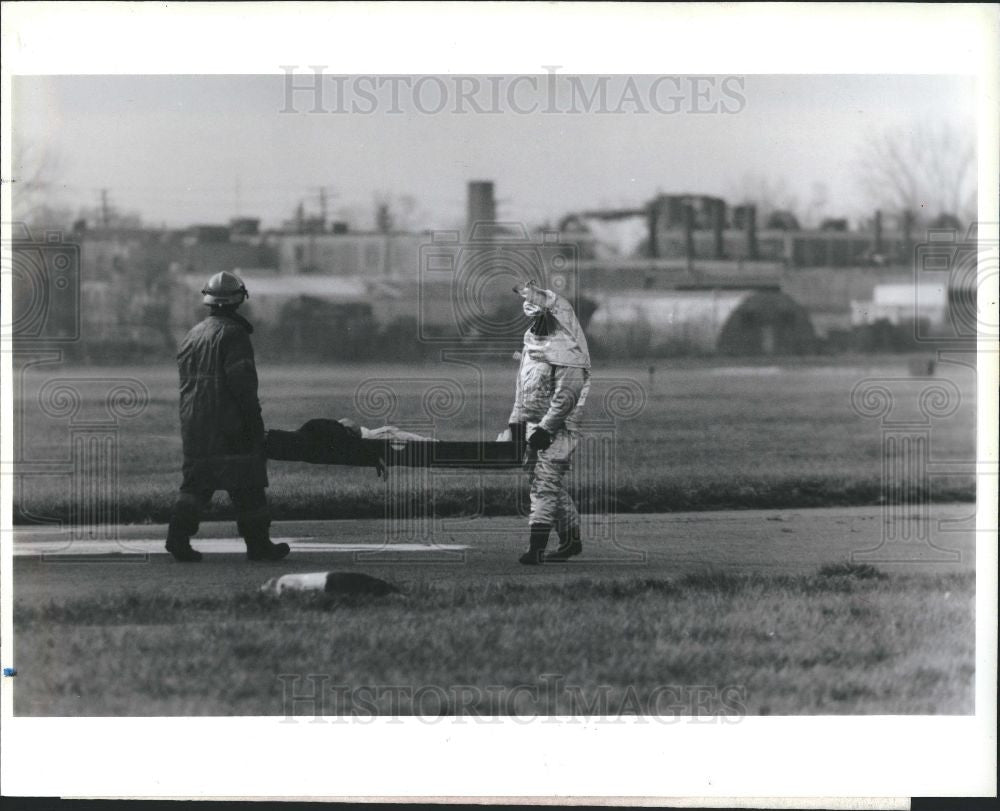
{"x":221,"y":425}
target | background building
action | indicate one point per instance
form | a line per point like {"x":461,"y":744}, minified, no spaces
{"x":700,"y":322}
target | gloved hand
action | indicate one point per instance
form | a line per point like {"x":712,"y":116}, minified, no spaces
{"x":540,"y":439}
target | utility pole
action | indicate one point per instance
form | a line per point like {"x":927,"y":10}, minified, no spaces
{"x":324,"y":198}
{"x":105,"y":209}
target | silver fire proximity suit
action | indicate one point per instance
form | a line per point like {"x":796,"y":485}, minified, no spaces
{"x":552,"y":385}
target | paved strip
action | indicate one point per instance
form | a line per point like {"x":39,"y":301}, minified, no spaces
{"x":486,"y":550}
{"x":209,"y":546}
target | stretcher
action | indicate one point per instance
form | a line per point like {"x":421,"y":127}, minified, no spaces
{"x":328,"y":442}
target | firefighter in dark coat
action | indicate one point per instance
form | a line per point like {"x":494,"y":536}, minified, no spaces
{"x":221,"y":426}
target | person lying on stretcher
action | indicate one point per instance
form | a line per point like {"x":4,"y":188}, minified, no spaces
{"x":343,"y":442}
{"x":331,"y":442}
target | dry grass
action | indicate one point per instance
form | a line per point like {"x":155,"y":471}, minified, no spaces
{"x":707,"y":438}
{"x":844,"y":640}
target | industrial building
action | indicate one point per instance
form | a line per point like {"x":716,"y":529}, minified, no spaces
{"x":368,"y":254}
{"x":694,"y":227}
{"x":700,"y":322}
{"x":682,"y":273}
{"x":904,"y":305}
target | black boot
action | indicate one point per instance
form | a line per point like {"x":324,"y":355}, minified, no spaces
{"x":263,"y":549}
{"x":183,"y":524}
{"x":536,"y":545}
{"x":180,"y":547}
{"x":569,"y":545}
{"x":256,"y":533}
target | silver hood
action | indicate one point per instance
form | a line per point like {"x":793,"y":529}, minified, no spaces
{"x":564,"y":344}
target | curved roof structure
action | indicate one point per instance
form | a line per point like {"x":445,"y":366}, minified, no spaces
{"x":684,"y":322}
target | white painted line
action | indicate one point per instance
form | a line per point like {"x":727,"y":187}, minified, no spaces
{"x":212,"y":546}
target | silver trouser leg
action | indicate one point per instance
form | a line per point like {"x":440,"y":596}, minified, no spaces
{"x":569,"y":519}
{"x":551,"y":502}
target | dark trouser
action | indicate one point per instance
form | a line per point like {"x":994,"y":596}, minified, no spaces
{"x":252,"y":515}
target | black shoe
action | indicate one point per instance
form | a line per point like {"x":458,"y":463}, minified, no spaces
{"x":532,"y":557}
{"x":536,"y":545}
{"x":183,"y":553}
{"x":269,"y":551}
{"x":565,"y":551}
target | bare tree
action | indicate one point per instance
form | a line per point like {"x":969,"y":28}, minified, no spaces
{"x":35,"y":191}
{"x":928,"y":169}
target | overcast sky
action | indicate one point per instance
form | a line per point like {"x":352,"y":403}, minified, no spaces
{"x":181,"y":150}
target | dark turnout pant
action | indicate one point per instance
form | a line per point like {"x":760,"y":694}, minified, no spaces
{"x":252,"y":515}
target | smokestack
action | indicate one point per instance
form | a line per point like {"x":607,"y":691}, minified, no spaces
{"x":689,"y":232}
{"x":718,"y":226}
{"x":653,"y":225}
{"x":750,"y":216}
{"x":908,"y":222}
{"x":659,"y":220}
{"x":481,"y":204}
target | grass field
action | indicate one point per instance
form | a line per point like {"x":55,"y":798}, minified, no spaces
{"x":729,"y":614}
{"x":701,"y":436}
{"x":844,"y":639}
{"x":715,"y":613}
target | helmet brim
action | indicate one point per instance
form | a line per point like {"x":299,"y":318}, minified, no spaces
{"x":223,"y":301}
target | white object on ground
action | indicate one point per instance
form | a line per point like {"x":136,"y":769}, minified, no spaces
{"x":341,"y":583}
{"x":306,"y":581}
